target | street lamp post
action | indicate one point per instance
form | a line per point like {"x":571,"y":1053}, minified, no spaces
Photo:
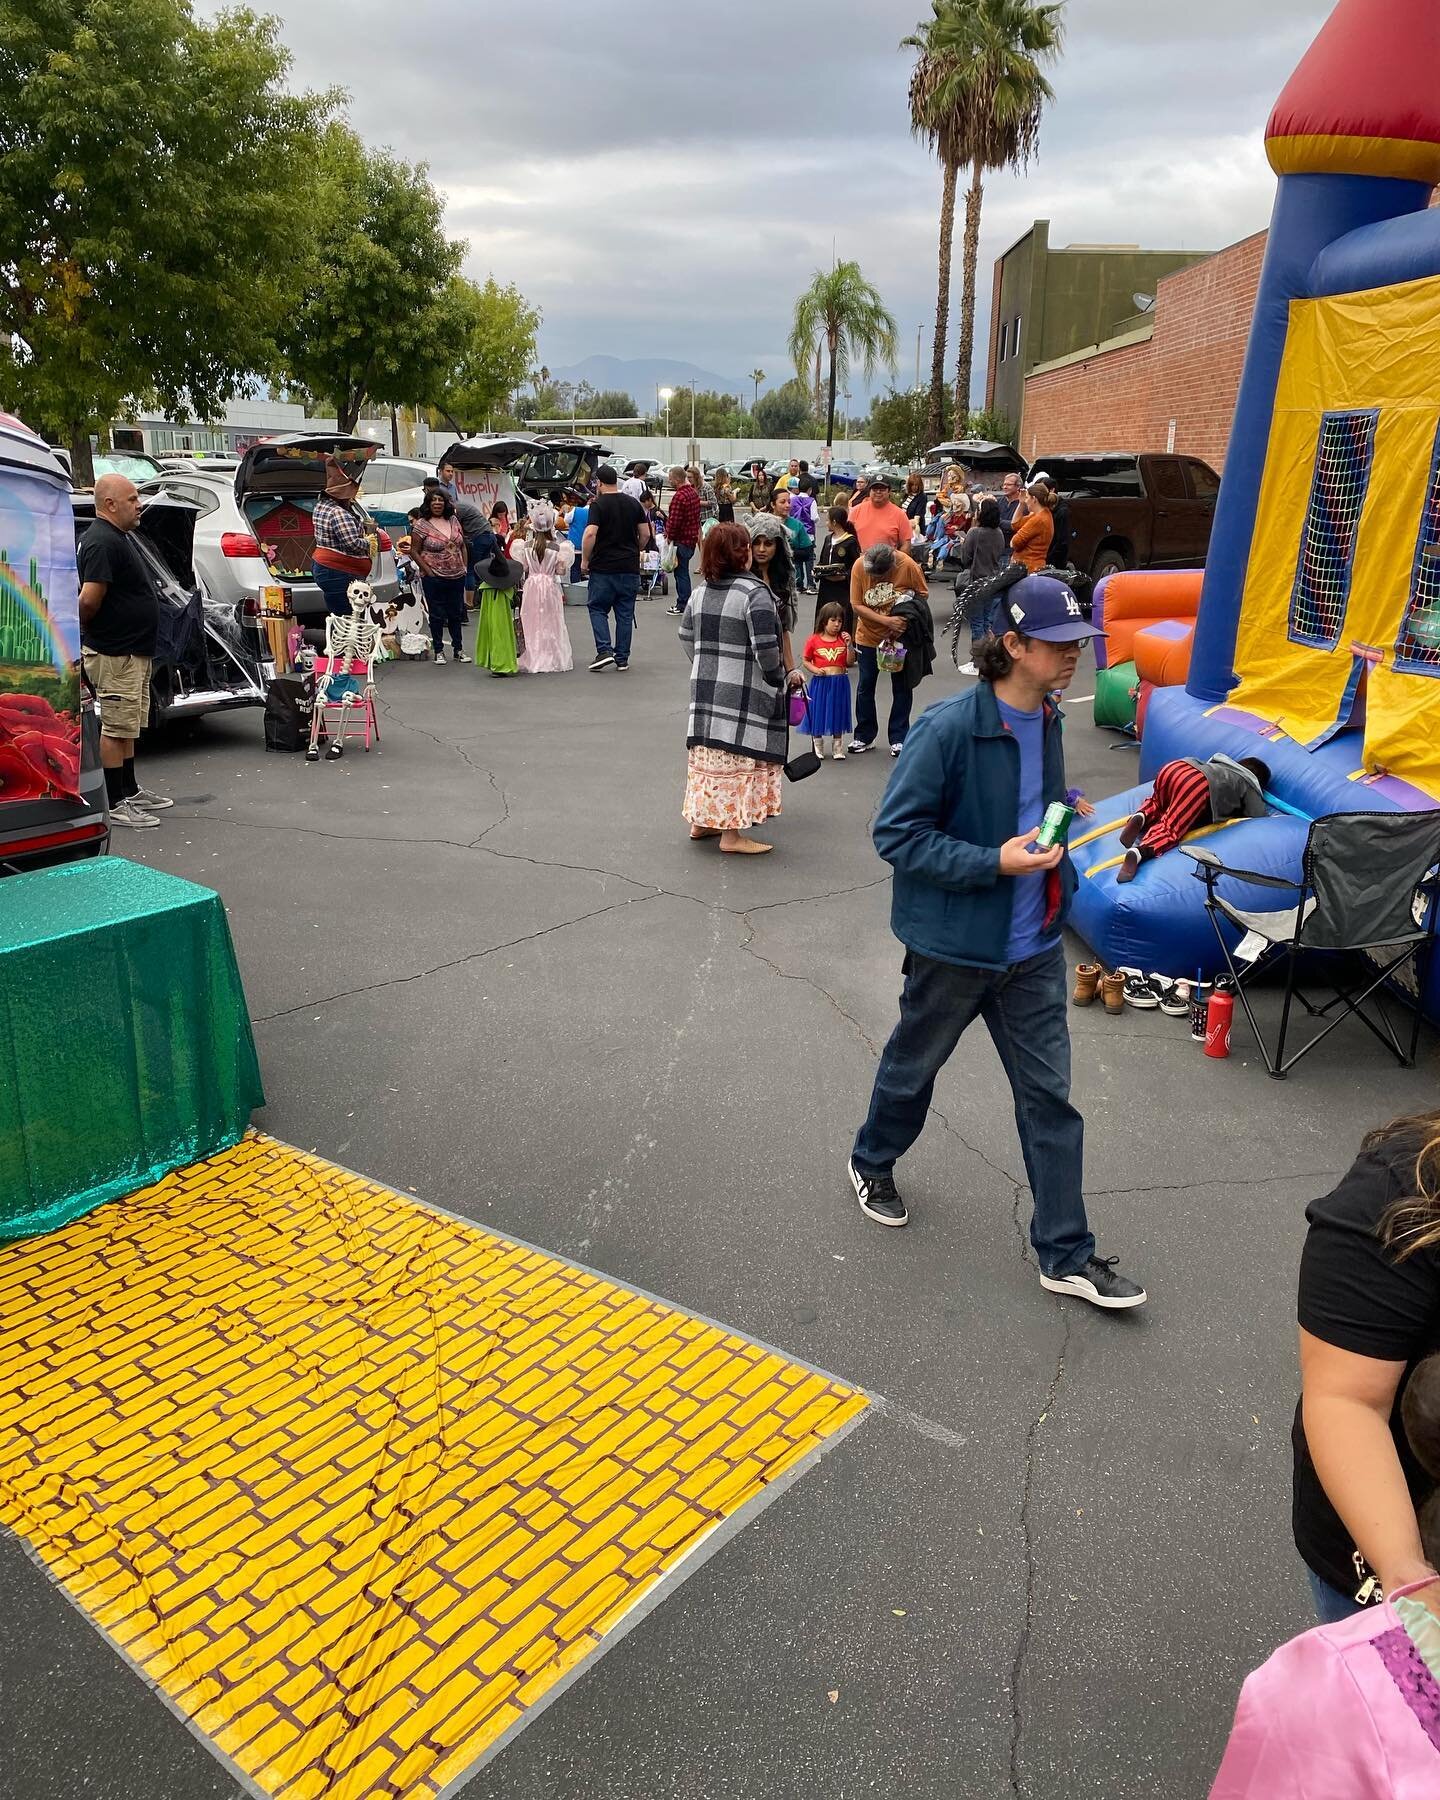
{"x":665,"y":395}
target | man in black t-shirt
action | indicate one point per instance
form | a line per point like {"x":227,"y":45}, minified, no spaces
{"x":119,"y":617}
{"x":610,"y":554}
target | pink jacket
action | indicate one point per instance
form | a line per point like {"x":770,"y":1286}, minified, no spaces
{"x":1344,"y":1712}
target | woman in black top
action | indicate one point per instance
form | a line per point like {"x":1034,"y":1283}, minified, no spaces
{"x":1369,"y":1311}
{"x":838,"y":554}
{"x":915,"y":501}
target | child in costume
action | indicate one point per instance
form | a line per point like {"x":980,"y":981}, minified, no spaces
{"x":1188,"y":793}
{"x":545,"y":559}
{"x":827,"y":660}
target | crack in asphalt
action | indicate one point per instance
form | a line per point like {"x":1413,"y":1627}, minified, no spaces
{"x":1230,"y":1181}
{"x":1027,"y":1531}
{"x":454,"y":962}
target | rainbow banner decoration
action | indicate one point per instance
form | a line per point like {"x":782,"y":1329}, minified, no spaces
{"x":39,"y":623}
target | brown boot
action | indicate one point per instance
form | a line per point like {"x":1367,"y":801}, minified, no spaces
{"x":1112,"y":992}
{"x":1087,"y":984}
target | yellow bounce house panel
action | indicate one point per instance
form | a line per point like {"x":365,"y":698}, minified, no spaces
{"x":354,"y":1483}
{"x":1343,"y":496}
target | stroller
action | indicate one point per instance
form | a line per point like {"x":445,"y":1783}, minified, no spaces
{"x":653,"y":579}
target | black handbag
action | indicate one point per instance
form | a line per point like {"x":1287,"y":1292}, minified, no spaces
{"x":801,"y":767}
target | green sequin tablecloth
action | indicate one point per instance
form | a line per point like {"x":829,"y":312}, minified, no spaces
{"x":125,"y":1044}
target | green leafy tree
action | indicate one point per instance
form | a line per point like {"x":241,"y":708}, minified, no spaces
{"x":900,"y":427}
{"x":841,"y":314}
{"x":613,"y":403}
{"x":380,"y":316}
{"x":785,"y":411}
{"x":151,"y":169}
{"x":977,"y":95}
{"x":992,"y":425}
{"x":492,"y":354}
{"x":716,"y":415}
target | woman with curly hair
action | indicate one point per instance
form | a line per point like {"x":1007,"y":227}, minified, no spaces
{"x":1369,"y":1313}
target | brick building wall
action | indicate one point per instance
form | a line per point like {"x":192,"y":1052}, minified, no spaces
{"x":1188,"y":371}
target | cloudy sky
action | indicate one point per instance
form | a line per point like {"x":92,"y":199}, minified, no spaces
{"x":663,"y":180}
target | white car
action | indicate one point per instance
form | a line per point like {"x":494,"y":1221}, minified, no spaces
{"x":263,"y":506}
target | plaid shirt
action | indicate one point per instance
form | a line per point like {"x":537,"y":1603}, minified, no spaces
{"x":731,"y":633}
{"x":340,"y":526}
{"x":682,"y":522}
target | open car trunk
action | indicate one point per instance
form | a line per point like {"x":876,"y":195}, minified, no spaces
{"x":277,"y":485}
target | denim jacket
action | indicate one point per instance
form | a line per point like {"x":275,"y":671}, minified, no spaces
{"x":953,"y":799}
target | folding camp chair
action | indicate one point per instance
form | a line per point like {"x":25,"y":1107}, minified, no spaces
{"x":1368,"y":883}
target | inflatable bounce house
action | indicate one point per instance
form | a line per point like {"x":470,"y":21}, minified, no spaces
{"x":1316,"y":642}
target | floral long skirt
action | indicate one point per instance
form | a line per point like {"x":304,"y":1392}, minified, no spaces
{"x":725,"y":792}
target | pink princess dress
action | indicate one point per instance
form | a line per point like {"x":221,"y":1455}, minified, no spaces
{"x":542,"y":610}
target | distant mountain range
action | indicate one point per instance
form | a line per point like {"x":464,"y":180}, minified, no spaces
{"x":639,"y":376}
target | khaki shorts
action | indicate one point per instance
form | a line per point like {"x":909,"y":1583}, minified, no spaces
{"x":122,"y":686}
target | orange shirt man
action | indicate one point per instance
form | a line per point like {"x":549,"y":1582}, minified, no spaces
{"x":877,"y":520}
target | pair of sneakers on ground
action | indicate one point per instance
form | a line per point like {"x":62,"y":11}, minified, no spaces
{"x":136,"y":812}
{"x":459,"y":657}
{"x":859,"y":749}
{"x":1123,"y":987}
{"x":1099,"y":1281}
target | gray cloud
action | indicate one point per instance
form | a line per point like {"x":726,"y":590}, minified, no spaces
{"x":663,"y":182}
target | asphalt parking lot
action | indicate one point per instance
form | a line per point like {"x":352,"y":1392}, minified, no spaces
{"x":486,"y":966}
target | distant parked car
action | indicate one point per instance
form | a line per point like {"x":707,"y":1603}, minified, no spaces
{"x":134,"y":463}
{"x":1129,"y":511}
{"x":265,"y":504}
{"x":204,"y":661}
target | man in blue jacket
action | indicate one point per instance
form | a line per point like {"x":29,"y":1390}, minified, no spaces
{"x":979,"y":911}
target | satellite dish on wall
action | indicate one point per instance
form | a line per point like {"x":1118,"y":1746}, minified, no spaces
{"x":1143,"y":302}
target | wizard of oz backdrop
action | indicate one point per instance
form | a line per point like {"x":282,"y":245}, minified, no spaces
{"x":39,"y":623}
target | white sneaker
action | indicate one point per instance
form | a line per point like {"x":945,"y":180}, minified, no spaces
{"x":142,"y":800}
{"x":968,"y":668}
{"x":438,"y":657}
{"x":460,"y":656}
{"x":133,"y":818}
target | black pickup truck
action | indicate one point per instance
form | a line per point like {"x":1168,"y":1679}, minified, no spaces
{"x":1121,"y":511}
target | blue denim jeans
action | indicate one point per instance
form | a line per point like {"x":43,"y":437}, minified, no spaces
{"x":867,"y":723}
{"x":334,"y":584}
{"x":683,"y":553}
{"x":605,"y":592}
{"x":445,"y":602}
{"x":805,"y":568}
{"x":1331,"y":1606}
{"x":1024,"y":1011}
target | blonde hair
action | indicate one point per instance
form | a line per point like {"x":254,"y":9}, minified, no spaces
{"x":1413,"y":1223}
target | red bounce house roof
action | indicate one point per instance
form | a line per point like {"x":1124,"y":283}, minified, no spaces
{"x":1366,"y":97}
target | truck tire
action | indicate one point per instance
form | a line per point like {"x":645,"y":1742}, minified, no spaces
{"x":1110,"y":561}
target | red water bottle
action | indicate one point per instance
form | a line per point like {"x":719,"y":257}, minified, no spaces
{"x":1217,"y":1023}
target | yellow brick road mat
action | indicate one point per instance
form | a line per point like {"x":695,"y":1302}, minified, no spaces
{"x":355,"y":1483}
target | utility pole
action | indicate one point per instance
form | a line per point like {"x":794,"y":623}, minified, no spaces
{"x":918,"y":330}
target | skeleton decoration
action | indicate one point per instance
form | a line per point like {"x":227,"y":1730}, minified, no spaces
{"x":350,"y":640}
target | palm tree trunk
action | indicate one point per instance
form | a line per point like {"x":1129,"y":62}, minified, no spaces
{"x":935,"y":417}
{"x":973,"y":199}
{"x":830,"y":412}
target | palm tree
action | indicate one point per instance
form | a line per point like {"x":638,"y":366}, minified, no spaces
{"x":976,"y":98}
{"x":841,"y":313}
{"x":757,"y":376}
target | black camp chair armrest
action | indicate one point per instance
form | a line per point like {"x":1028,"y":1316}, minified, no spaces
{"x":1211,"y":866}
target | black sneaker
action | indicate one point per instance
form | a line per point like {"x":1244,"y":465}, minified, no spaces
{"x":1174,"y":997}
{"x":1098,"y":1283}
{"x":879,"y":1198}
{"x":602,"y":662}
{"x":857,"y":748}
{"x":1140,"y":990}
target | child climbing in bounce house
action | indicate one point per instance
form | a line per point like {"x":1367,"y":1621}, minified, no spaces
{"x":1187,"y":793}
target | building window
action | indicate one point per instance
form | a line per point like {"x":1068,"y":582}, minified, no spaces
{"x":1015,"y":336}
{"x":1338,"y":487}
{"x":1003,"y":330}
{"x":1417,"y":648}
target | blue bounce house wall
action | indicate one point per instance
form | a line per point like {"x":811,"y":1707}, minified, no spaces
{"x":1356,"y":159}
